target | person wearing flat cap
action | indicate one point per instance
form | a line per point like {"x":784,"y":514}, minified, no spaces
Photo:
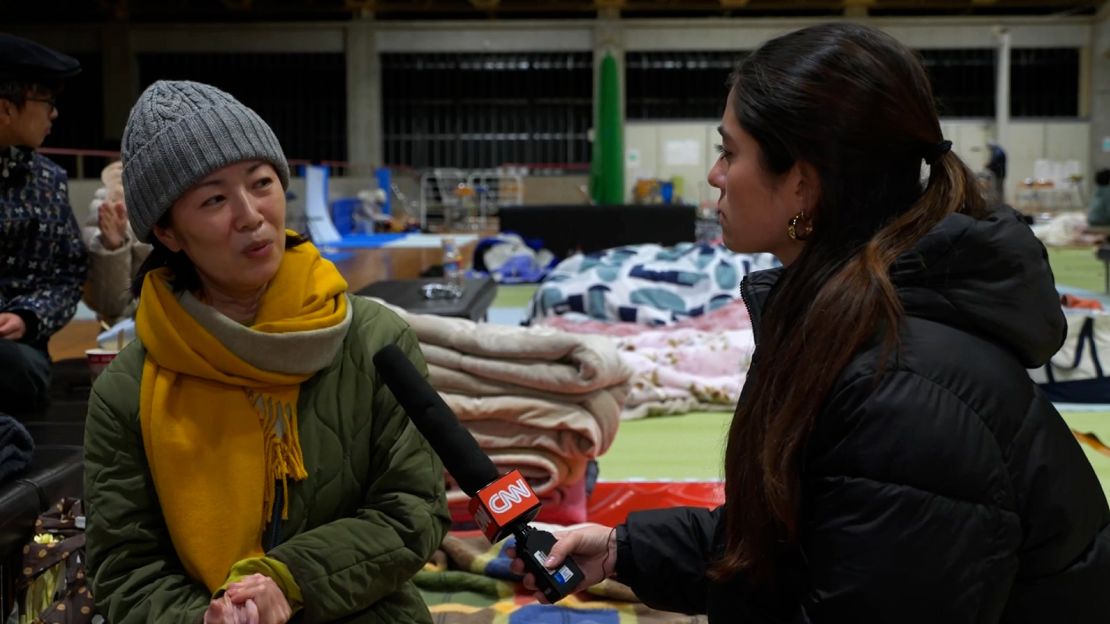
{"x":42,"y":258}
{"x":244,"y":462}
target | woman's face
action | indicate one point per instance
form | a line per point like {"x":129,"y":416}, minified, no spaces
{"x":231,"y":225}
{"x":755,"y":207}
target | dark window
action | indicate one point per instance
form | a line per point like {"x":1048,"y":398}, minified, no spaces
{"x":678,"y":85}
{"x":486,"y":110}
{"x":302,"y":96}
{"x":692,"y":85}
{"x":80,"y":122}
{"x":1044,"y":82}
{"x":963,"y":80}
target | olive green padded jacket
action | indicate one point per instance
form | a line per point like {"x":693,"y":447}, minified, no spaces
{"x":371,"y":512}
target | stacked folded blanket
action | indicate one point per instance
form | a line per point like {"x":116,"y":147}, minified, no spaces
{"x":697,"y":364}
{"x":536,"y":399}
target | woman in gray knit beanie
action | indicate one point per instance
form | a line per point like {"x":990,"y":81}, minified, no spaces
{"x":178,"y":133}
{"x":243,"y":461}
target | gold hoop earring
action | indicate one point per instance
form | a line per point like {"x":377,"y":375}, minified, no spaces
{"x":793,"y":231}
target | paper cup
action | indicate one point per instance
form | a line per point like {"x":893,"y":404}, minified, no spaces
{"x":98,"y":360}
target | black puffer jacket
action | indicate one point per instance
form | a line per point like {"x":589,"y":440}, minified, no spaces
{"x":950,"y":492}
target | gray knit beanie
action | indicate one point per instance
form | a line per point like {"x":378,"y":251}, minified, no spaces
{"x":179,"y":132}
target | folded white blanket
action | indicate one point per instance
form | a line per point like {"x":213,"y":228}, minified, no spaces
{"x":602,"y":406}
{"x":566,"y":429}
{"x":535,"y":357}
{"x":545,"y":472}
{"x":536,"y":399}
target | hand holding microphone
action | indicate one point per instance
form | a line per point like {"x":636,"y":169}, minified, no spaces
{"x":594,"y":548}
{"x":501,"y":505}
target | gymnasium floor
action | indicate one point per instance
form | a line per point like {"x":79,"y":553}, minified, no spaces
{"x":691,"y":446}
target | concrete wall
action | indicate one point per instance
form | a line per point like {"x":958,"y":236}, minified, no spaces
{"x":364,"y":39}
{"x":940,"y":32}
{"x":1100,"y":91}
{"x":563,"y":189}
{"x":1030,"y":141}
{"x":687,"y":150}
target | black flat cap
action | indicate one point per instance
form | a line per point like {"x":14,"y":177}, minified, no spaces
{"x":22,"y":58}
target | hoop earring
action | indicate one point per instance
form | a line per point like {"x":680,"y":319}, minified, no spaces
{"x":796,"y":233}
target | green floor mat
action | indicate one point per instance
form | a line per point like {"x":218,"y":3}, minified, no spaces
{"x":513,"y":295}
{"x":1078,"y":268}
{"x":691,"y":447}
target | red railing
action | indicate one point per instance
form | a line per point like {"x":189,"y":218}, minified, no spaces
{"x":336,"y":167}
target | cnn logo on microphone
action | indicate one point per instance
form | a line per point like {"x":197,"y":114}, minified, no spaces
{"x":502,"y":503}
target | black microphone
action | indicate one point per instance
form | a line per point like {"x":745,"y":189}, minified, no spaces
{"x":501,"y":505}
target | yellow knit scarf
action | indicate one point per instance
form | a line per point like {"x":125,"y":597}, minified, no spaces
{"x":218,"y":430}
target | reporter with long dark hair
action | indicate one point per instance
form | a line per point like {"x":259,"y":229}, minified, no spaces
{"x":889,"y":458}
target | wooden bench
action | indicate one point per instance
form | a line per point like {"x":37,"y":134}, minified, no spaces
{"x":57,"y":468}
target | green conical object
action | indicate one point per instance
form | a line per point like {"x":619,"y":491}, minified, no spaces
{"x":607,"y":166}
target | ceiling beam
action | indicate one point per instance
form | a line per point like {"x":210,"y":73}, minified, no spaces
{"x":117,"y":8}
{"x":122,"y":9}
{"x":857,"y":8}
{"x":361,"y":8}
{"x":355,"y":5}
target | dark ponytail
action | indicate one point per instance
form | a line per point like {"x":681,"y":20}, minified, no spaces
{"x":857,"y":106}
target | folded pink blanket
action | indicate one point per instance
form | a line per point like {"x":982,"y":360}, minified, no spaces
{"x":696,"y":364}
{"x":685,"y":370}
{"x":732,"y":315}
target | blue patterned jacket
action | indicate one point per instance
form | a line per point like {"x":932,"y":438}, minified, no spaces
{"x":42,"y":259}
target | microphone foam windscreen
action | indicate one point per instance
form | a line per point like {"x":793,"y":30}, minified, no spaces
{"x":458,"y":450}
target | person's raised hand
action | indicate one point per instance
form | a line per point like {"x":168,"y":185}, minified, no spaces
{"x":593,"y":547}
{"x":273,"y":607}
{"x":112,"y":220}
{"x":223,"y":611}
{"x":12,"y":326}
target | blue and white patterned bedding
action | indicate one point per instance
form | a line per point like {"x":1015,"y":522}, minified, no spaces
{"x":647,"y":284}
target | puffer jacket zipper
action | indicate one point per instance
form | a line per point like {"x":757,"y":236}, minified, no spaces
{"x":273,"y":537}
{"x":753,"y":314}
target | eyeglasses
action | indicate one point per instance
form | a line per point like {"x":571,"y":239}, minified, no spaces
{"x":51,"y":101}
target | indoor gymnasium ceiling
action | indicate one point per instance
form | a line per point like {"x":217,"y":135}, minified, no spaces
{"x":282,"y":10}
